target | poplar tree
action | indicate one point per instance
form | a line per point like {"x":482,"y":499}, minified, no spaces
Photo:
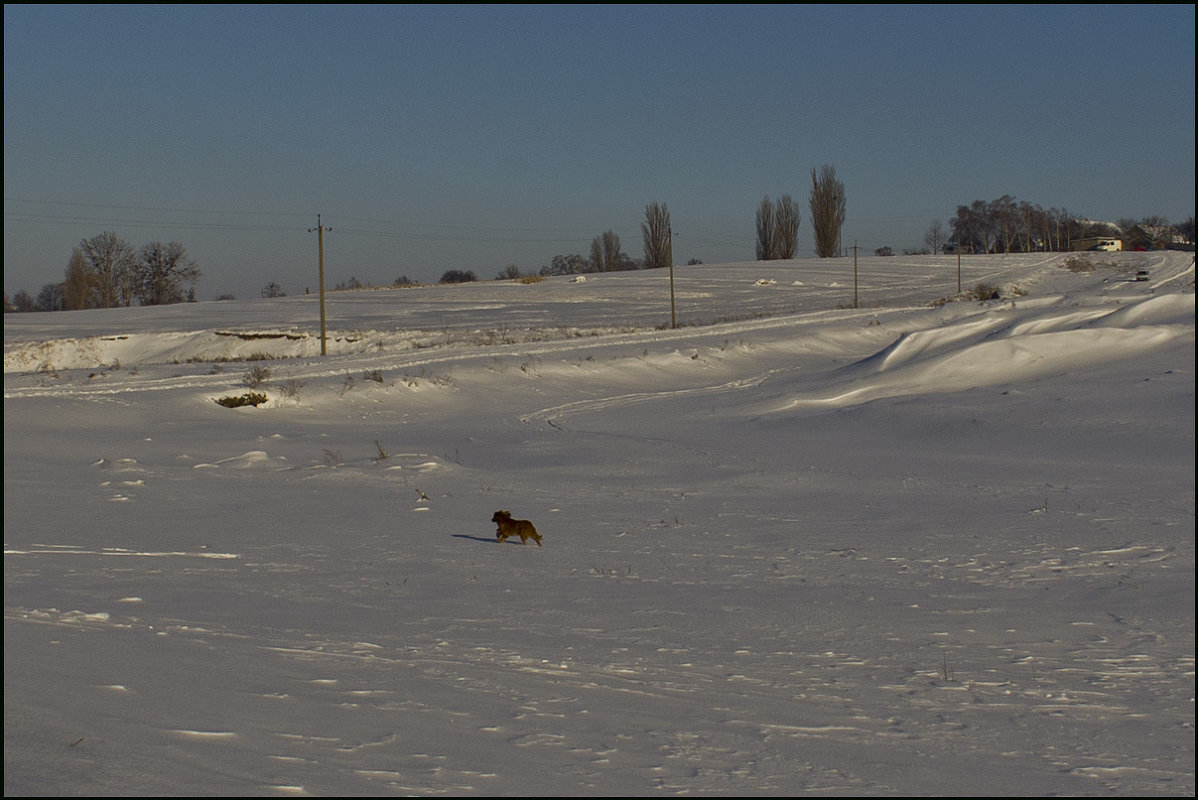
{"x":656,"y":233}
{"x":827,"y":211}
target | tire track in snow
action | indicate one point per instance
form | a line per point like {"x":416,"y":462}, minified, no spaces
{"x":553,"y":414}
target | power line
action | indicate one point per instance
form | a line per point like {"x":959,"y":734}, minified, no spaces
{"x":71,"y":204}
{"x":44,"y":219}
{"x":444,"y":232}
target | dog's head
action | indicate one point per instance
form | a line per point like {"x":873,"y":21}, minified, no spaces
{"x":502,"y":518}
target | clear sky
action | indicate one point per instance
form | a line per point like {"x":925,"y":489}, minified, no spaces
{"x":466,"y":137}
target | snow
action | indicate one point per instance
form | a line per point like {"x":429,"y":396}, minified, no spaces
{"x":909,"y":548}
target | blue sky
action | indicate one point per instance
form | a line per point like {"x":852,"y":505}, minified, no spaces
{"x":432,"y":138}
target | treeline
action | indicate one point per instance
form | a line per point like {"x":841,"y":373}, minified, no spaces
{"x":105,"y":271}
{"x":607,"y":254}
{"x":1009,"y":226}
{"x":777,"y":234}
{"x":778,"y":222}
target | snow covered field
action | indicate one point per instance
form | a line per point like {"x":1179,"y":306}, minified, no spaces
{"x":789,"y":547}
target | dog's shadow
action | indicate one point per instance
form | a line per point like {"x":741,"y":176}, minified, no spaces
{"x":491,"y":540}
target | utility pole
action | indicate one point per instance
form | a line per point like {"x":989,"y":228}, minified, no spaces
{"x":854,"y":274}
{"x":958,"y":270}
{"x":320,"y":229}
{"x":670,"y":250}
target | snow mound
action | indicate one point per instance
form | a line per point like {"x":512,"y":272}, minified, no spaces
{"x":998,"y":349}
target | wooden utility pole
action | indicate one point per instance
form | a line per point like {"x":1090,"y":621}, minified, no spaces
{"x":670,"y":250}
{"x":854,"y":274}
{"x":320,"y":229}
{"x":958,"y":271}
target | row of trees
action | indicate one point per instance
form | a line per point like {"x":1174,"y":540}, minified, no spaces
{"x":1006,"y":225}
{"x":105,"y":271}
{"x":778,"y":222}
{"x":777,"y":233}
{"x":777,"y":229}
{"x":607,"y":254}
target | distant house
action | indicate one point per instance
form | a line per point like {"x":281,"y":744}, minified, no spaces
{"x":1150,"y":237}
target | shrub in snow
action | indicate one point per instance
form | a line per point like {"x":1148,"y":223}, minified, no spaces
{"x":248,"y":399}
{"x":290,"y":388}
{"x":256,"y":376}
{"x":984,"y":291}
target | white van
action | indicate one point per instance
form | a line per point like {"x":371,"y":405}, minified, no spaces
{"x":1096,"y":243}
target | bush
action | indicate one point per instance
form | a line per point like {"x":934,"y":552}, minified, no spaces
{"x":458,"y":276}
{"x":256,"y":377}
{"x":290,"y":388}
{"x":248,"y":399}
{"x":984,"y":291}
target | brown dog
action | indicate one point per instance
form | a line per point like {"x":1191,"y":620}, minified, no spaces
{"x":509,"y":527}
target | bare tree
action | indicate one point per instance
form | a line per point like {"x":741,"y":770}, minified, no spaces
{"x":50,"y":298}
{"x":163,"y":272}
{"x":1004,"y":215}
{"x":572,"y":264}
{"x":935,"y":238}
{"x":765,"y":230}
{"x":1029,"y":225}
{"x":23,"y":301}
{"x":110,"y":264}
{"x":786,"y":228}
{"x":656,"y":233}
{"x":962,"y":225}
{"x":77,"y":288}
{"x":1071,"y":229}
{"x":613,"y":259}
{"x":827,"y":211}
{"x":777,"y":229}
{"x":605,"y":253}
{"x":1185,"y":229}
{"x":1158,"y":230}
{"x":973,"y":227}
